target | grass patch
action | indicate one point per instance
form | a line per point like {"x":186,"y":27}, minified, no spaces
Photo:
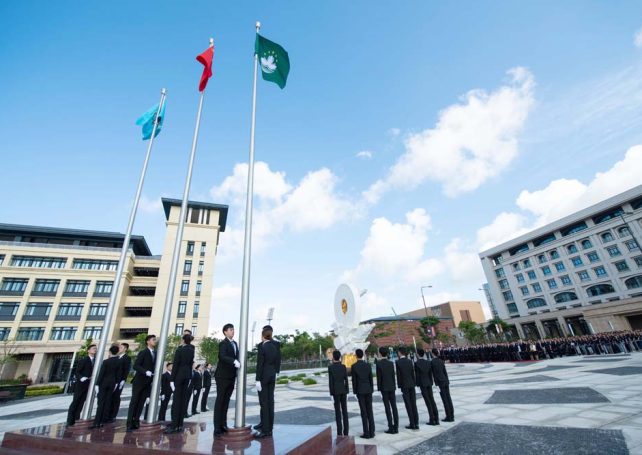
{"x":43,"y":390}
{"x":283,"y":381}
{"x":309,"y":381}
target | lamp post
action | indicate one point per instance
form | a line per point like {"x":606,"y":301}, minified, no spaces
{"x":424,"y":297}
{"x":629,"y":228}
{"x":270,"y":315}
{"x":489,"y":299}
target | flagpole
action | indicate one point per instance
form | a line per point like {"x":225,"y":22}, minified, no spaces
{"x":239,"y":416}
{"x":171,"y":284}
{"x":113,"y":297}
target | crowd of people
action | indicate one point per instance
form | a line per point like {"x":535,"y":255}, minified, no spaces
{"x":520,"y":350}
{"x":183,"y":381}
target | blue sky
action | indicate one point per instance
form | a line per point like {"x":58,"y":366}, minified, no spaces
{"x":481,"y":120}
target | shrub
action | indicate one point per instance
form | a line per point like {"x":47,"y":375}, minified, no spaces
{"x":295,"y":378}
{"x":318,"y":373}
{"x":40,"y":391}
{"x":309,"y":381}
{"x":283,"y":381}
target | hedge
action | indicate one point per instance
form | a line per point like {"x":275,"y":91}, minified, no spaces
{"x":309,"y":381}
{"x":283,"y":381}
{"x":40,"y":391}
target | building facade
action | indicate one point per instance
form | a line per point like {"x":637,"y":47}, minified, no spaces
{"x":55,"y":286}
{"x":548,"y":281}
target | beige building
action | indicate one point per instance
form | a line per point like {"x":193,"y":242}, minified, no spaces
{"x":55,"y":286}
{"x":456,"y":310}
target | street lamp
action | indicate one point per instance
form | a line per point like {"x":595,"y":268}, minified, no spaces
{"x":629,"y":228}
{"x":270,"y":315}
{"x":424,"y":297}
{"x":489,"y":299}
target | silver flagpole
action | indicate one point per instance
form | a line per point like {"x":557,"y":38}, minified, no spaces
{"x":113,"y":297}
{"x":239,"y":416}
{"x":171,"y":284}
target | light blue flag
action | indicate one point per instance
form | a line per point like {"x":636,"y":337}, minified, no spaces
{"x":147,"y":121}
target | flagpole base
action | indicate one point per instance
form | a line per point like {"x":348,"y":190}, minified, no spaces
{"x":239,"y":435}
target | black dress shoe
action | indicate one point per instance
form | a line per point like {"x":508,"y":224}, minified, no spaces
{"x":130,"y":429}
{"x":448,"y":420}
{"x":195,"y":412}
{"x":168,"y":430}
{"x":71,"y":424}
{"x":258,"y":426}
{"x":94,"y":426}
{"x":218,"y":434}
{"x":410,"y":427}
{"x":225,"y":429}
{"x":262,"y":434}
{"x":416,"y":427}
{"x":364,"y":436}
{"x":432,"y":423}
{"x":372,"y":435}
{"x":390,"y":431}
{"x":187,"y":416}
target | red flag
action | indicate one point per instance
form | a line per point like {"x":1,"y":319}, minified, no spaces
{"x":206,"y":59}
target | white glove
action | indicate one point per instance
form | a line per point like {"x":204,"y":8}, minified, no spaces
{"x":122,"y":384}
{"x":148,"y":374}
{"x":83,"y":379}
{"x":332,"y":399}
{"x":195,"y":392}
{"x":237,"y":364}
{"x":146,"y":401}
{"x":96,"y":390}
{"x":162,"y":397}
{"x":258,"y":386}
{"x":116,"y":386}
{"x":171,"y":384}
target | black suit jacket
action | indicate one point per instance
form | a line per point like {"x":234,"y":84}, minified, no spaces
{"x":439,"y":373}
{"x":423,"y":373}
{"x":338,"y":379}
{"x":225,"y":368}
{"x":109,"y":373}
{"x":207,"y":379}
{"x":182,"y":364}
{"x":166,"y":389}
{"x":84,"y":369}
{"x":268,"y":362}
{"x":386,"y":376}
{"x":197,"y":380}
{"x":362,"y":381}
{"x":405,"y":373}
{"x":144,"y":362}
{"x":125,"y":364}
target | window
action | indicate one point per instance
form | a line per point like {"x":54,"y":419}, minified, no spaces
{"x":520,"y":278}
{"x":586,"y":244}
{"x":79,"y":287}
{"x":577,"y":261}
{"x":8,"y":310}
{"x":531,"y":275}
{"x":97,"y":311}
{"x":203,"y":247}
{"x":45,"y":287}
{"x":566,"y":280}
{"x":37,"y":311}
{"x":584,"y":276}
{"x":92,"y":332}
{"x":503,"y":284}
{"x":72,"y":310}
{"x":537,"y":287}
{"x":518,"y":249}
{"x":559,"y":266}
{"x":4,"y":333}
{"x":63,"y":333}
{"x":565,"y":297}
{"x":182,"y":307}
{"x":199,"y":285}
{"x":30,"y":334}
{"x":103,"y":288}
{"x":499,"y":273}
{"x":535,"y":303}
{"x":14,"y":286}
{"x":1,"y":258}
{"x":196,"y":309}
{"x":185,"y":287}
{"x":608,"y":215}
{"x":546,"y":270}
{"x":593,"y":257}
{"x":516,"y":267}
{"x":600,"y":289}
{"x":552,"y":284}
{"x":638,"y":261}
{"x":524,"y":290}
{"x":623,"y":232}
{"x":634,"y":282}
{"x":187,"y":268}
{"x":37,"y":261}
{"x":554,"y":254}
{"x":508,"y":296}
{"x":201,"y":267}
{"x":573,"y":228}
{"x":541,"y":258}
{"x":621,"y":266}
{"x":613,"y":251}
{"x":632,"y":245}
{"x":190,"y":249}
{"x":600,"y":271}
{"x":194,"y":327}
{"x":178,"y":330}
{"x":572,"y":249}
{"x":94,"y":264}
{"x":512,"y":308}
{"x":544,"y":240}
{"x":606,"y":237}
{"x":497,"y":260}
{"x":526,"y":263}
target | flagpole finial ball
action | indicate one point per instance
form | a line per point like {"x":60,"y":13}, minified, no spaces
{"x":258,"y":24}
{"x":211,"y":42}
{"x":163,"y":91}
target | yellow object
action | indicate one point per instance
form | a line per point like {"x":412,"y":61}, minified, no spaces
{"x":349,"y":360}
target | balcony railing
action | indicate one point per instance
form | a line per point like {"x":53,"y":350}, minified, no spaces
{"x":35,"y":317}
{"x":44,"y":293}
{"x":67,"y":317}
{"x":7,"y":317}
{"x":74,"y":294}
{"x":102,"y":294}
{"x":96,"y":317}
{"x":16,"y":293}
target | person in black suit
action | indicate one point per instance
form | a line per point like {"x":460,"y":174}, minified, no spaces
{"x":166,"y":391}
{"x":386,"y":385}
{"x":125,"y":365}
{"x":83,"y":373}
{"x":363,"y":388}
{"x":197,"y":385}
{"x":106,"y":383}
{"x":268,"y":363}
{"x":423,"y":376}
{"x":181,"y":377}
{"x":207,"y":384}
{"x":440,"y":376}
{"x":259,"y":425}
{"x":225,"y":376}
{"x":406,"y":382}
{"x":339,"y":390}
{"x":142,"y":382}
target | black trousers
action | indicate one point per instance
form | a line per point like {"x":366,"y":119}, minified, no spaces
{"x":204,"y":394}
{"x":140,"y":393}
{"x":266,"y":401}
{"x":224,"y":389}
{"x":410,"y":400}
{"x":80,"y":395}
{"x":162,"y":411}
{"x":115,"y":403}
{"x":429,"y":399}
{"x":341,"y":413}
{"x":444,"y":391}
{"x":103,"y":412}
{"x":190,"y":391}
{"x":181,"y":398}
{"x":196,"y":395}
{"x":367,"y":416}
{"x":390,"y":405}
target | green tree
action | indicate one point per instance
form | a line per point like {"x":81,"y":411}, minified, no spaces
{"x":493,"y":324}
{"x":208,"y":349}
{"x":7,"y":354}
{"x":472,"y":331}
{"x":445,"y":338}
{"x":173,"y":342}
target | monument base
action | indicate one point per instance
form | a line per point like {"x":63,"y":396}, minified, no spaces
{"x":196,"y":438}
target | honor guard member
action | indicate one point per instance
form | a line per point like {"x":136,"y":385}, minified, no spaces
{"x":225,"y":376}
{"x":363,"y":387}
{"x":268,"y":364}
{"x":125,"y":365}
{"x":386,"y":385}
{"x":440,"y":375}
{"x":84,"y":370}
{"x":166,"y":391}
{"x":339,"y":389}
{"x":423,"y":375}
{"x":207,"y":384}
{"x":106,"y":383}
{"x":181,"y":377}
{"x":142,"y":382}
{"x":406,"y":382}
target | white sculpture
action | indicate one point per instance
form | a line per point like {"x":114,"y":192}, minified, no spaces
{"x":350,"y":335}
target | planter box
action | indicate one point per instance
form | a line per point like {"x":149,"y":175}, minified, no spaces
{"x":12,"y":392}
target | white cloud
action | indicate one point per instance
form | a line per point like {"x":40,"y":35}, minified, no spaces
{"x":472,"y":141}
{"x":364,"y":155}
{"x":268,"y":185}
{"x":148,"y":205}
{"x":637,"y":38}
{"x":394,"y":132}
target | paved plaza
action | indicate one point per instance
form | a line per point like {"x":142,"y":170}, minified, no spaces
{"x":573,"y":405}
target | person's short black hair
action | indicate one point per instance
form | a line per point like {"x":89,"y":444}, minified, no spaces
{"x":149,"y":337}
{"x":169,"y":364}
{"x":359,"y":353}
{"x":403,"y":350}
{"x":126,"y":346}
{"x":187,"y":338}
{"x":268,"y":327}
{"x":91,"y":346}
{"x":384,"y":351}
{"x":420,"y":352}
{"x":113,"y":349}
{"x":208,"y":365}
{"x":435,"y":352}
{"x":336,"y":355}
{"x":187,"y":331}
{"x":227,"y":326}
